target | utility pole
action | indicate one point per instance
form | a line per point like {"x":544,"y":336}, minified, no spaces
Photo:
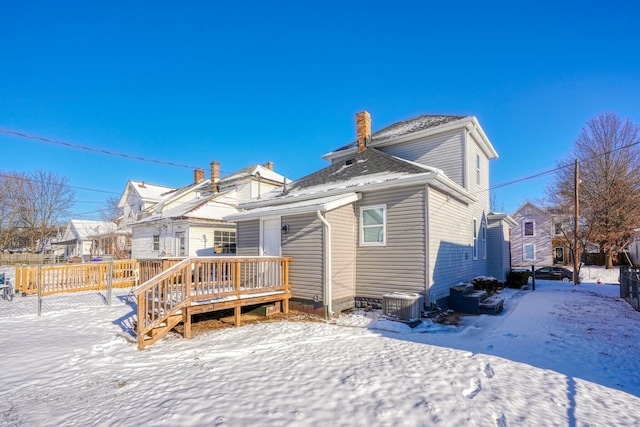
{"x":575,"y":227}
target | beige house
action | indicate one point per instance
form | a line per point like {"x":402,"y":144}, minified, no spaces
{"x":405,"y":209}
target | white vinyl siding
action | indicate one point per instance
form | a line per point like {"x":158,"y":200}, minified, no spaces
{"x":498,"y":255}
{"x":400,"y":265}
{"x":248,"y":238}
{"x":450,"y":244}
{"x":343,"y":258}
{"x":444,"y":151}
{"x":304,"y":243}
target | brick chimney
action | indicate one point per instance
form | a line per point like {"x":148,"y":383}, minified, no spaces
{"x":198,"y":176}
{"x":363,"y":130}
{"x":215,"y":176}
{"x":268,"y":165}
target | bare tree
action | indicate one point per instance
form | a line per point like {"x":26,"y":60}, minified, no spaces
{"x":110,"y":210}
{"x":494,"y":205}
{"x":42,"y":199}
{"x":608,"y":152}
{"x":117,"y":242}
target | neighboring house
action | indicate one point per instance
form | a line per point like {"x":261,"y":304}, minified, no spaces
{"x":405,"y":209}
{"x":188,"y":221}
{"x":537,"y":237}
{"x":633,"y":249}
{"x":88,"y":239}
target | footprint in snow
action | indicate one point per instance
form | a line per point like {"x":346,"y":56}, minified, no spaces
{"x":488,"y":371}
{"x":475,"y":387}
{"x":501,"y":420}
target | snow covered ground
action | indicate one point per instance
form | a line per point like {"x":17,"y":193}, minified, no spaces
{"x":559,"y":355}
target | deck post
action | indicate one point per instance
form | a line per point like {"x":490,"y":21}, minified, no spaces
{"x":187,"y":323}
{"x":237,"y":311}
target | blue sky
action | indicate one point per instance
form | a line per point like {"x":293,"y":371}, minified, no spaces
{"x":250,"y":82}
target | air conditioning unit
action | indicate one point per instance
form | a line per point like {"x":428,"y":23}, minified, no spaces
{"x":403,"y":306}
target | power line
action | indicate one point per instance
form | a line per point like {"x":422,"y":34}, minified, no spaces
{"x":97,"y":150}
{"x":23,"y":178}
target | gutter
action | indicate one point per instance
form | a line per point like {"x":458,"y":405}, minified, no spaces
{"x":327,"y":251}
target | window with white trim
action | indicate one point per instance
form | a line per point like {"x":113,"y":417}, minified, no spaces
{"x":373,"y":225}
{"x":483,"y":238}
{"x":478,"y":169}
{"x":557,"y":228}
{"x":224,"y":242}
{"x":529,"y":251}
{"x":475,"y":238}
{"x":156,"y":242}
{"x":527,"y":228}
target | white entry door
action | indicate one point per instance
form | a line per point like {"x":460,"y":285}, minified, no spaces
{"x":270,"y":237}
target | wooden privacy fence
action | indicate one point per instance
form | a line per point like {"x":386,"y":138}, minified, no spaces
{"x":53,"y":279}
{"x":199,"y":285}
{"x":629,"y":283}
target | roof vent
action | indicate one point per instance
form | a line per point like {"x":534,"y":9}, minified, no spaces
{"x":349,"y":162}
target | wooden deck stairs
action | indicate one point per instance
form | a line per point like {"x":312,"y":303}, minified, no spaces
{"x":464,"y":299}
{"x":200,"y":285}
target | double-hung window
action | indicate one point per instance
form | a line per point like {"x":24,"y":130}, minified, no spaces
{"x":529,"y":252}
{"x":156,"y":242}
{"x":528,"y":228}
{"x":373,"y":225}
{"x":475,"y":238}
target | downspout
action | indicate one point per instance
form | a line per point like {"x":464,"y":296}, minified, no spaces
{"x":427,"y":248}
{"x":327,"y":257}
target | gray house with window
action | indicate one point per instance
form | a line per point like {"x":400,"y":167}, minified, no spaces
{"x":405,"y":209}
{"x":532,"y":238}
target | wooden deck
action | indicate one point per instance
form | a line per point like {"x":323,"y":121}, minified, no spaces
{"x":200,"y":285}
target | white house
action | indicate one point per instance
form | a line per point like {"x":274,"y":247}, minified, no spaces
{"x":188,"y":221}
{"x":87,"y":239}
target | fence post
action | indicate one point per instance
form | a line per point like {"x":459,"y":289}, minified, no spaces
{"x":39,"y":285}
{"x":110,"y":282}
{"x":533,"y":278}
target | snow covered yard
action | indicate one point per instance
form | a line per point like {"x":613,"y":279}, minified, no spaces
{"x":561,"y":355}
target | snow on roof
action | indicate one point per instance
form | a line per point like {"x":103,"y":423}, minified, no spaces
{"x":79,"y":229}
{"x":150,"y":191}
{"x":323,"y":204}
{"x":408,"y":126}
{"x":207,"y":208}
{"x":367,"y":169}
{"x":265,"y":173}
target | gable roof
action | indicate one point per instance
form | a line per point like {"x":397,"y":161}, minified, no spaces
{"x":212,"y":208}
{"x":416,"y":124}
{"x":147,"y":192}
{"x":80,"y":230}
{"x":419,"y":127}
{"x":250,"y":171}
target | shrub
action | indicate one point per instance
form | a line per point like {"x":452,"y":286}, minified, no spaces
{"x":489,"y":284}
{"x":517,"y":279}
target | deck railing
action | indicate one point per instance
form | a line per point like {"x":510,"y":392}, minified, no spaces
{"x":53,"y":279}
{"x":206,"y":280}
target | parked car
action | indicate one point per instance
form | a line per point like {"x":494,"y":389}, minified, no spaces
{"x":554,"y":273}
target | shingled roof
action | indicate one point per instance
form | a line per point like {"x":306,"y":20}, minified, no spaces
{"x":406,"y":127}
{"x":368,"y":163}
